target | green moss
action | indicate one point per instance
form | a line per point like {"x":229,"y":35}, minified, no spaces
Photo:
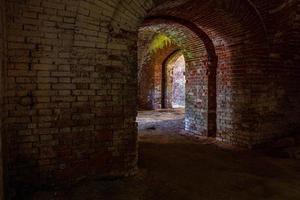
{"x":159,"y":41}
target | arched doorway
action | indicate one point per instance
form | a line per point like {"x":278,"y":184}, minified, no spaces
{"x":174,"y":81}
{"x":201,"y":65}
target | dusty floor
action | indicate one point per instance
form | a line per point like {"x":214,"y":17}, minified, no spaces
{"x":174,"y":167}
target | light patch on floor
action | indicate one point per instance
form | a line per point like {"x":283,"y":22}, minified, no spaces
{"x":155,"y":118}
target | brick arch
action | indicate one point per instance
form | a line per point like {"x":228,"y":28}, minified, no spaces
{"x":167,"y":100}
{"x":209,"y":46}
{"x":207,"y":13}
{"x":192,"y":48}
{"x":201,"y":64}
{"x":154,"y":85}
{"x":150,"y":79}
{"x":231,"y":27}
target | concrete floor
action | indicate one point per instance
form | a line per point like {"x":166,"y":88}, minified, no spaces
{"x":175,"y":167}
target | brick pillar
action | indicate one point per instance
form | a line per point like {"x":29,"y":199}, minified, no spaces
{"x":212,"y":97}
{"x":2,"y":62}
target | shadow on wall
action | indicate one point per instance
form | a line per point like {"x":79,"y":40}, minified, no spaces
{"x":2,"y":63}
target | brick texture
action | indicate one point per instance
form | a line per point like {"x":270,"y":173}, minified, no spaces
{"x":2,"y":65}
{"x":252,"y":92}
{"x":70,"y":95}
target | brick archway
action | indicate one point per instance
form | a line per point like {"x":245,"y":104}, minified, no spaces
{"x":210,"y":61}
{"x":150,"y":76}
{"x":167,"y":83}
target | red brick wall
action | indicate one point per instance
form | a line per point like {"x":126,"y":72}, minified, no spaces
{"x":282,"y":23}
{"x":242,"y":46}
{"x":255,"y":93}
{"x":2,"y":65}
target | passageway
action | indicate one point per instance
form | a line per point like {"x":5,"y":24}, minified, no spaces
{"x":200,"y":74}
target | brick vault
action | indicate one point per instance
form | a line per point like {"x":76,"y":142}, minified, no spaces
{"x":69,"y":74}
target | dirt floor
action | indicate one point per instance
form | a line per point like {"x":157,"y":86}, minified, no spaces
{"x":175,"y":167}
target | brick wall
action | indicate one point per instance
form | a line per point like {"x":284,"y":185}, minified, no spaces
{"x":71,"y":81}
{"x":255,"y":90}
{"x":2,"y":63}
{"x":71,"y":96}
{"x":248,"y":95}
{"x":282,"y":24}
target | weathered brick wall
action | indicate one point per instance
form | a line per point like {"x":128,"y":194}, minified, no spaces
{"x":283,"y":75}
{"x":71,"y":91}
{"x":40,"y":37}
{"x":2,"y":65}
